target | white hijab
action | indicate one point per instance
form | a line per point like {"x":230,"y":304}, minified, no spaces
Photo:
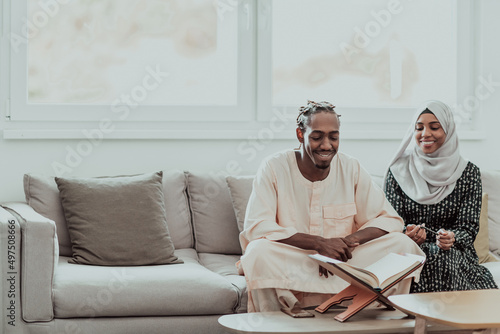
{"x":429,"y":178}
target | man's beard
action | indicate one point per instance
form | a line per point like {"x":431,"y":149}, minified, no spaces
{"x":322,"y":166}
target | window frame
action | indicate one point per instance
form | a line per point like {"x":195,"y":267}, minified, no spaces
{"x":22,"y":111}
{"x":254,"y":111}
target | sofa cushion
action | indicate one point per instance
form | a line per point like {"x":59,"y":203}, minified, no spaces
{"x":482,"y":242}
{"x":221,"y":264}
{"x":177,"y":209}
{"x":225,"y":265}
{"x":491,"y":186}
{"x":240,"y":188}
{"x":115,"y":221}
{"x":43,"y":196}
{"x":214,"y":221}
{"x":494,"y":268}
{"x":162,"y":290}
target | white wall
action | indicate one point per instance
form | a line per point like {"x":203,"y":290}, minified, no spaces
{"x":114,"y":157}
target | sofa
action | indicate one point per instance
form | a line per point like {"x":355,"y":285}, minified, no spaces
{"x":43,"y":292}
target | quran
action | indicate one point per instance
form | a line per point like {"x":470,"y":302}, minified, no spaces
{"x":379,"y":275}
{"x":367,"y":284}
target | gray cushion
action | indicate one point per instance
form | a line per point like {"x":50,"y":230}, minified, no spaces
{"x":43,"y":196}
{"x":491,"y":186}
{"x":177,"y":209}
{"x":214,"y":221}
{"x":115,"y":221}
{"x":163,"y":290}
{"x":240,"y":188}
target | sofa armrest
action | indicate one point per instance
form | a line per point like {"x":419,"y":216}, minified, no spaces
{"x":39,"y":255}
{"x":10,"y":240}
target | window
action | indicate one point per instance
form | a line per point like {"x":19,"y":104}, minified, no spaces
{"x":169,"y":68}
{"x":140,"y":59}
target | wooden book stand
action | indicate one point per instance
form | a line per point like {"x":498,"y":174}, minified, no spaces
{"x":361,"y":295}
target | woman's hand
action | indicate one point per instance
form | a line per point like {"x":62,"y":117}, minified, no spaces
{"x":445,"y":239}
{"x":416,"y":233}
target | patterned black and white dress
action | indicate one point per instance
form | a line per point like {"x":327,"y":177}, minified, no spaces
{"x":457,"y":268}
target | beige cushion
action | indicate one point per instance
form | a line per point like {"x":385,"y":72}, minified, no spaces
{"x":224,"y":265}
{"x":43,"y":196}
{"x":494,"y":268}
{"x":214,"y":221}
{"x":240,"y":188}
{"x":491,"y":186}
{"x":117,"y":220}
{"x":482,"y":242}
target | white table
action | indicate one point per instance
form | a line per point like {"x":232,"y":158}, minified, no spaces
{"x":369,"y":321}
{"x":476,"y":309}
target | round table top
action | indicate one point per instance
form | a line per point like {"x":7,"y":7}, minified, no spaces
{"x":471,"y":309}
{"x":369,"y":321}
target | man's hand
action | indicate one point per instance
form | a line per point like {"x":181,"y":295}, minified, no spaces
{"x":416,"y":233}
{"x":337,"y":248}
{"x":445,"y":239}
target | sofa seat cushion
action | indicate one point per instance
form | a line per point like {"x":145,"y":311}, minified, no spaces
{"x":225,"y":265}
{"x":160,"y":290}
{"x":222,"y":264}
{"x":494,"y":268}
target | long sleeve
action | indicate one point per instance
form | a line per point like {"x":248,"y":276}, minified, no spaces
{"x":467,"y":223}
{"x":394,"y":195}
{"x":261,"y":214}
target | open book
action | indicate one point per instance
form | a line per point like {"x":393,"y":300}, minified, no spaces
{"x":378,"y":275}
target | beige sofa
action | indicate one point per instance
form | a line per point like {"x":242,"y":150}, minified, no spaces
{"x":43,"y":293}
{"x":50,"y":295}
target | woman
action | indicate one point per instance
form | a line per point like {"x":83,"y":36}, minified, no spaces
{"x":434,"y":189}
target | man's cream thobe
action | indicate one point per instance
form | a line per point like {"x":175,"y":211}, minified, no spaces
{"x":283,"y":202}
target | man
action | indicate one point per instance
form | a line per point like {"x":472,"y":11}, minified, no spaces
{"x":310,"y":200}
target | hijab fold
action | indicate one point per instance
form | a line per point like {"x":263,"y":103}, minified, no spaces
{"x":429,"y":178}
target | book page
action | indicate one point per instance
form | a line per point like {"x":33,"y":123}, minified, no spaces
{"x":362,"y":274}
{"x":378,"y":275}
{"x":392,"y":266}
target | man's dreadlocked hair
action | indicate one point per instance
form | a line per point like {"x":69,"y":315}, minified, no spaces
{"x":313,"y":108}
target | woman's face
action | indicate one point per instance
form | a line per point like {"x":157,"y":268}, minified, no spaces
{"x":429,"y":133}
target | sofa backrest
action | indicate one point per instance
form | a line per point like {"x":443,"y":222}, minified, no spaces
{"x":214,"y":221}
{"x":42,"y":195}
{"x":491,"y":186}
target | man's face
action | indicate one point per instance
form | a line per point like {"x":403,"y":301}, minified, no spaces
{"x":321,"y":139}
